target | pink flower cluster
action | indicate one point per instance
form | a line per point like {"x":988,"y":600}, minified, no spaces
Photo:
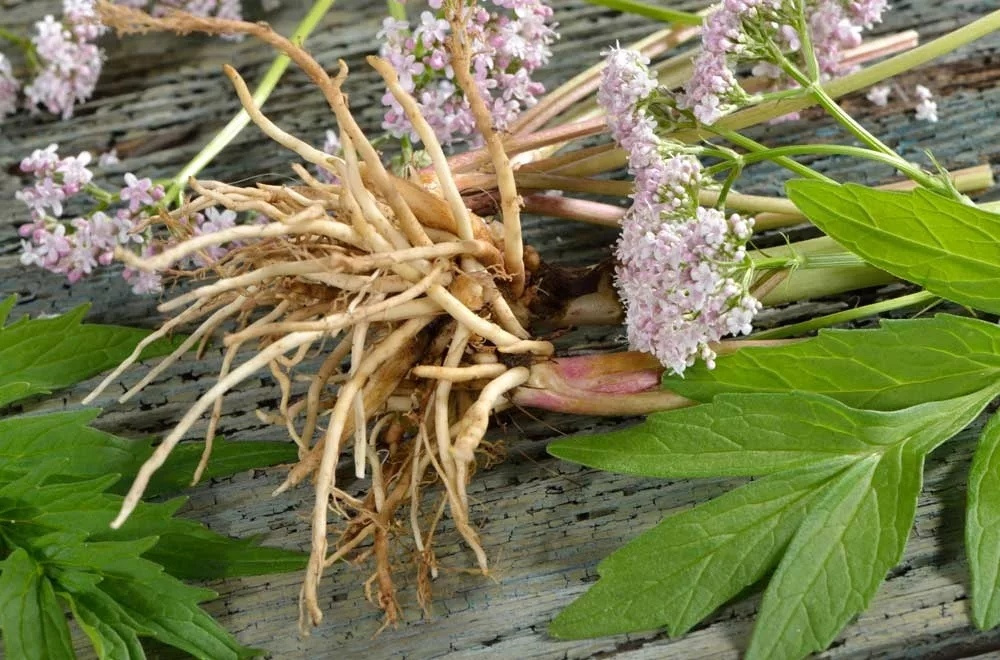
{"x":68,"y":62}
{"x":507,"y":47}
{"x":743,"y":31}
{"x":681,"y":266}
{"x":75,"y":247}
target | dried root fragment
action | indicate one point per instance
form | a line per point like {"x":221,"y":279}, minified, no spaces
{"x":397,"y":285}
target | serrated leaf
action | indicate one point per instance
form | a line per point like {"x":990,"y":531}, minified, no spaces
{"x":947,"y":247}
{"x":101,"y":620}
{"x":28,"y":441}
{"x":55,"y":507}
{"x":982,"y":527}
{"x":155,"y":603}
{"x":680,"y":571}
{"x":189,"y":550}
{"x":38,"y":356}
{"x":228,"y":457}
{"x":31,"y":617}
{"x":900,"y":364}
{"x":758,"y":434}
{"x":835,"y":563}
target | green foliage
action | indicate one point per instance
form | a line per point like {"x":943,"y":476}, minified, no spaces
{"x":900,"y":364}
{"x":43,"y":355}
{"x":758,"y":434}
{"x":982,"y":527}
{"x":832,"y":511}
{"x":59,"y":489}
{"x":947,"y":247}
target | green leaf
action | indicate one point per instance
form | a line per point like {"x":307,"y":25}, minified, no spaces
{"x":189,"y":550}
{"x":6,"y":305}
{"x":982,"y":527}
{"x":42,"y":355}
{"x":947,"y":247}
{"x":898,"y":365}
{"x":27,"y":441}
{"x":835,"y":508}
{"x":835,"y":563}
{"x":150,"y":601}
{"x":55,"y":508}
{"x":757,"y":434}
{"x":121,"y":594}
{"x":31,"y":618}
{"x":228,"y":457}
{"x":110,"y":630}
{"x":680,"y":571}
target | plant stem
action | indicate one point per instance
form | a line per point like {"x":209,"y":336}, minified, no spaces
{"x":846,"y":316}
{"x":842,"y":259}
{"x":650,"y":11}
{"x":24,"y":43}
{"x":14,"y":38}
{"x":789,"y":164}
{"x":895,"y":161}
{"x":810,"y":283}
{"x":758,"y":114}
{"x":242,"y":119}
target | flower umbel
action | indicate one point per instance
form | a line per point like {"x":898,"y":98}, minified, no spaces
{"x":76,"y":245}
{"x":770,"y":35}
{"x":507,"y":48}
{"x":681,"y":266}
{"x":69,"y":58}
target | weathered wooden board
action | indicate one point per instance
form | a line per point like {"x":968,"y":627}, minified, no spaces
{"x":545,"y":523}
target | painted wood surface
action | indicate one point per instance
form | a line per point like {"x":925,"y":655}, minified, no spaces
{"x":545,"y":523}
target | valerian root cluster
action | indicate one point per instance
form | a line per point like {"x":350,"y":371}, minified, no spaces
{"x":415,"y":304}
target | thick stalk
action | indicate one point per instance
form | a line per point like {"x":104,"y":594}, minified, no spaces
{"x":810,"y":283}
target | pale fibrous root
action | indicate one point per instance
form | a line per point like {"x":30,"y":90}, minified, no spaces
{"x":403,"y":293}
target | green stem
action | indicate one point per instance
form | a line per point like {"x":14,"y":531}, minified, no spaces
{"x":397,"y":10}
{"x":812,"y":325}
{"x":100,"y":194}
{"x":836,"y":150}
{"x":811,"y":283}
{"x":789,"y":164}
{"x":814,"y":86}
{"x":655,"y":12}
{"x":242,"y":119}
{"x":797,"y":261}
{"x":760,"y":113}
{"x":24,"y":43}
{"x":14,"y":38}
{"x":805,"y":36}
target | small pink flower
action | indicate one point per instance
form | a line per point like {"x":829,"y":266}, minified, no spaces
{"x":139,"y":192}
{"x":506,"y":50}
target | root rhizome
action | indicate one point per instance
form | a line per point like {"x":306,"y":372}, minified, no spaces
{"x":416,"y":306}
